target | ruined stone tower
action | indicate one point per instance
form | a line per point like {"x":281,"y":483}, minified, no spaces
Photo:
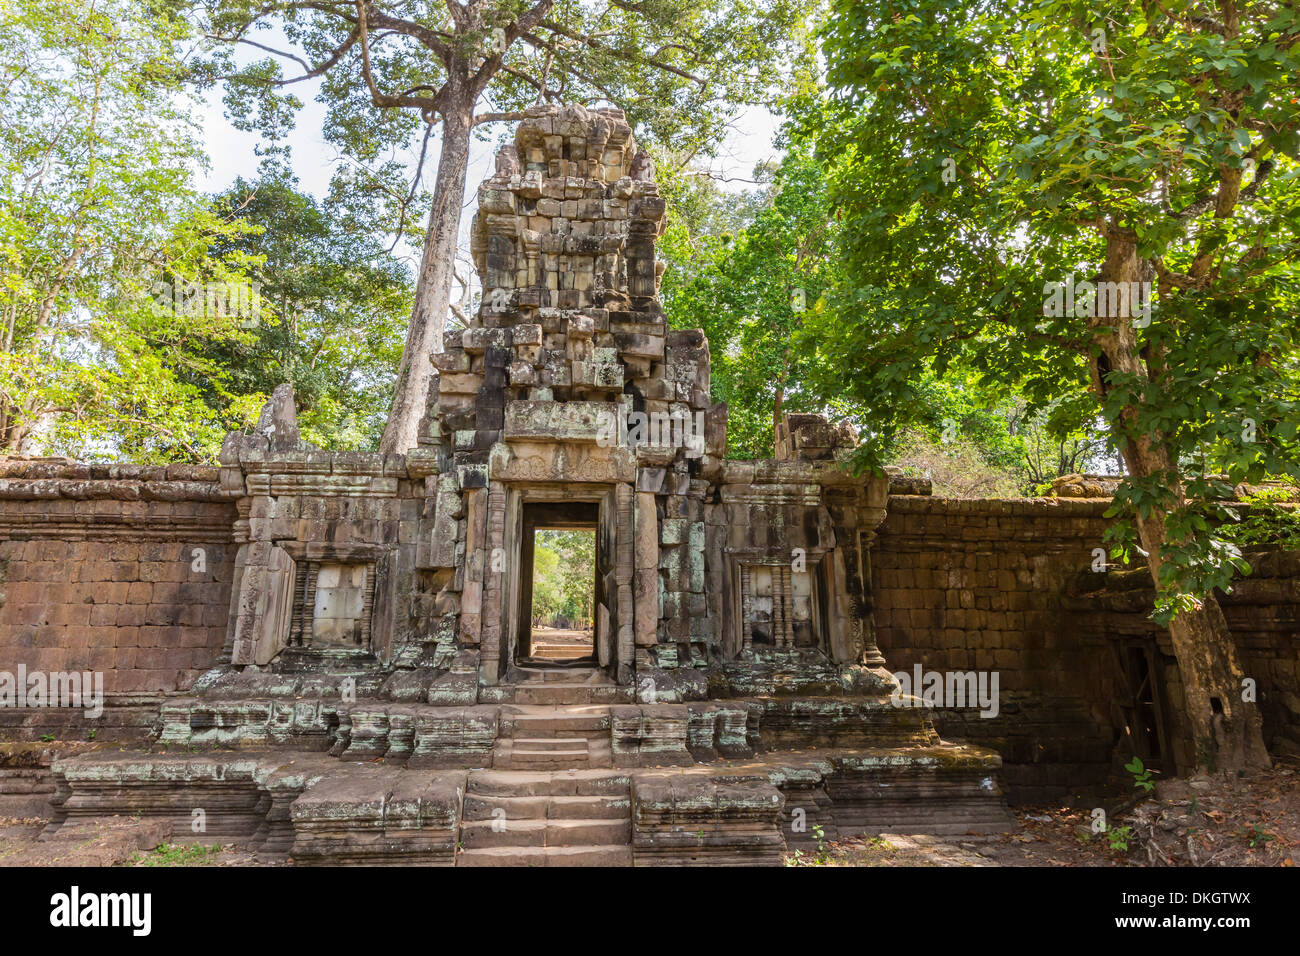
{"x":565,"y":403}
{"x":533,"y":401}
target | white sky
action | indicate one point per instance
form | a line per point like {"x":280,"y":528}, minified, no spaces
{"x":232,"y":152}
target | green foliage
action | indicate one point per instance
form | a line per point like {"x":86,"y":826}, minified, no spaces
{"x":747,"y":270}
{"x":564,"y":575}
{"x":1257,"y":836}
{"x":98,"y":146}
{"x":173,"y":854}
{"x":956,"y":469}
{"x":335,"y":307}
{"x":975,"y":443}
{"x":678,"y":67}
{"x":819,"y":834}
{"x":978,"y":152}
{"x":735,"y":262}
{"x":1141,"y":775}
{"x":1272,"y":521}
{"x":1118,"y":838}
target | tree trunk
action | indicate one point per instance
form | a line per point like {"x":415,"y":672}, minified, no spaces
{"x":1227,"y":732}
{"x":433,"y":287}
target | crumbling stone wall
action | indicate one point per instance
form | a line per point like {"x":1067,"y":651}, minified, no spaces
{"x":1008,"y":585}
{"x":976,"y":585}
{"x":124,"y":570}
{"x":1263,"y":613}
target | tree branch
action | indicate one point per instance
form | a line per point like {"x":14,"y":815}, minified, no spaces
{"x":426,"y":104}
{"x":618,"y":54}
{"x":430,"y":38}
{"x":525,"y":24}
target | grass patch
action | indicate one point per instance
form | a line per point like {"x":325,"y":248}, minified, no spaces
{"x":172,"y":854}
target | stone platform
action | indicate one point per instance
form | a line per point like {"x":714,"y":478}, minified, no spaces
{"x":316,"y":809}
{"x":304,"y":774}
{"x":541,"y":736}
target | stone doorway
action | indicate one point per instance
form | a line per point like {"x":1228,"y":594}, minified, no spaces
{"x":543,"y":638}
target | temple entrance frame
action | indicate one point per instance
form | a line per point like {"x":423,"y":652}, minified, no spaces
{"x":551,"y":516}
{"x":549,"y":500}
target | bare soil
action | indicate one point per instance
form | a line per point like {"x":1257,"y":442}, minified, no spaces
{"x":1203,"y":821}
{"x":553,"y":635}
{"x":114,"y":841}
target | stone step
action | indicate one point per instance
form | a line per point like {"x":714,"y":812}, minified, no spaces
{"x":518,"y":783}
{"x":546,"y":856}
{"x":566,"y":693}
{"x":563,"y":675}
{"x":505,"y":756}
{"x":484,"y":807}
{"x":551,"y":753}
{"x":549,"y":745}
{"x":589,"y":832}
{"x":544,"y":807}
{"x":595,"y":723}
{"x":590,"y":807}
{"x":550,"y":760}
{"x":476,"y":834}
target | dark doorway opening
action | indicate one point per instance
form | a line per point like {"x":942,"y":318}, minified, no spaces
{"x":559,"y":585}
{"x":1142,"y":702}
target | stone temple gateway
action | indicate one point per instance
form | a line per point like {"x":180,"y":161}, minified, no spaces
{"x":566,"y":400}
{"x":377,"y":699}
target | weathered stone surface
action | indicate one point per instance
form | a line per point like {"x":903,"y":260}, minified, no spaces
{"x":373,"y":817}
{"x":650,"y":736}
{"x":278,"y":423}
{"x":559,"y":421}
{"x":687,"y":820}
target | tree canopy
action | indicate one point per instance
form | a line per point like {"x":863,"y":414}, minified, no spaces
{"x":564,"y":575}
{"x":988,"y":158}
{"x":390,"y":71}
{"x":335,"y":307}
{"x":100,"y":222}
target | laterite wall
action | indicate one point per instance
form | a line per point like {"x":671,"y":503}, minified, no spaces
{"x":124,"y":570}
{"x":1007,"y":586}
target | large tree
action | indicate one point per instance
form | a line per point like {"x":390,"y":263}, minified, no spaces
{"x":757,"y":264}
{"x":985,"y":152}
{"x":392,"y":70}
{"x":336,"y":306}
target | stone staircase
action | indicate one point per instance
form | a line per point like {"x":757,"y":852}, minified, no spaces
{"x":558,"y":686}
{"x":536,"y":737}
{"x":574,"y":818}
